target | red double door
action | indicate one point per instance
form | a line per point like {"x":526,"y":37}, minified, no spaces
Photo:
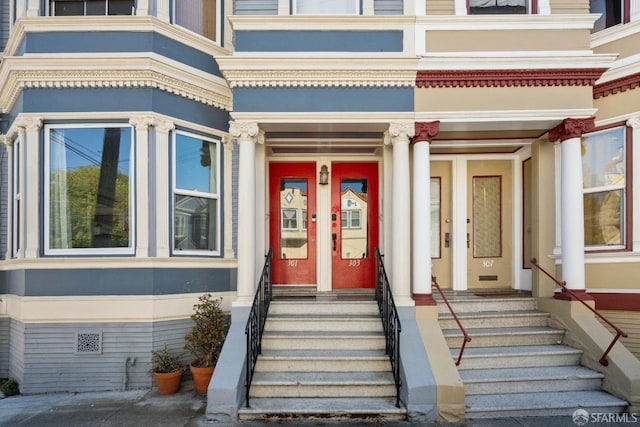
{"x":296,"y":213}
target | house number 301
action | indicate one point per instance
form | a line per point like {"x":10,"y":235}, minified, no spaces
{"x":292,"y":263}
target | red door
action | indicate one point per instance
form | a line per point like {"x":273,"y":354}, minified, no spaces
{"x":354,"y":224}
{"x":292,"y":201}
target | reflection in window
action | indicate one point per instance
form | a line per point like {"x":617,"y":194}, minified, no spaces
{"x":293,"y":205}
{"x":195,"y":202}
{"x":91,"y":7}
{"x":88,"y":180}
{"x":435,"y":217}
{"x":354,"y":200}
{"x":332,"y":7}
{"x":610,"y":11}
{"x":487,"y":216}
{"x":604,"y":180}
{"x":497,"y":7}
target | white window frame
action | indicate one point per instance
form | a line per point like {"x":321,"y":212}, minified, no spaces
{"x":608,"y":188}
{"x":129,"y":250}
{"x":356,"y":4}
{"x":16,"y":206}
{"x":211,"y":196}
{"x":282,"y":219}
{"x":347,"y":215}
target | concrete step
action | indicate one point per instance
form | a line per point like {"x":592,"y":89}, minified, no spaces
{"x":541,"y":404}
{"x":497,"y":337}
{"x":323,"y":340}
{"x":498,"y":319}
{"x":323,"y":384}
{"x":325,"y":307}
{"x":518,"y":356}
{"x":323,"y":361}
{"x":465,"y":304}
{"x":366,"y":408}
{"x":530,"y":380}
{"x":324,"y":322}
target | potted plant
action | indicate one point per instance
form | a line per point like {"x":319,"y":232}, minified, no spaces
{"x":167,"y":370}
{"x":205,"y":339}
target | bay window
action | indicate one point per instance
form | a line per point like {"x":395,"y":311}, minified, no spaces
{"x":604,"y":168}
{"x":196,"y":189}
{"x":88,"y":189}
{"x":91,"y":7}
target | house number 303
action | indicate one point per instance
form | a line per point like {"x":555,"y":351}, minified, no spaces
{"x":354,"y":262}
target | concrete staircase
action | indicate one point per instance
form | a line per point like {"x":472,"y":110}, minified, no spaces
{"x":323,"y":359}
{"x":515,"y":364}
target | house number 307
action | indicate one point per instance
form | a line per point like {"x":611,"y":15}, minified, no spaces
{"x":487,"y":263}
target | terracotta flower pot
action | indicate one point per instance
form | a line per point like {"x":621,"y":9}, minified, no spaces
{"x":169,"y":382}
{"x":201,"y":377}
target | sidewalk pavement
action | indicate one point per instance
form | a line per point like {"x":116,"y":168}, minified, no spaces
{"x":147,"y":408}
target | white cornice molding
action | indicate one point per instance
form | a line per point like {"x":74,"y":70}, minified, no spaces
{"x":514,"y":116}
{"x":619,"y":72}
{"x":318,"y":72}
{"x":320,"y":22}
{"x":109,"y":23}
{"x":614,"y":33}
{"x":506,"y":22}
{"x":101,"y":72}
{"x":322,"y":117}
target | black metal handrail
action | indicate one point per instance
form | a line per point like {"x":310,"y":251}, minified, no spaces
{"x":390,"y":321}
{"x":619,"y":332}
{"x":257,"y":320}
{"x":466,"y":336}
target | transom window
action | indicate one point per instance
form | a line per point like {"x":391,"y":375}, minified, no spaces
{"x":196,"y":206}
{"x":91,"y":7}
{"x":88,"y":189}
{"x":604,"y":169}
{"x":498,"y":7}
{"x":326,"y":7}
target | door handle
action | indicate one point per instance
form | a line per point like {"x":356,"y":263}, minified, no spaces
{"x":447,"y":237}
{"x":334,"y":237}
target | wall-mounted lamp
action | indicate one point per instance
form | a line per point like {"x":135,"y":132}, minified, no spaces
{"x":324,"y":175}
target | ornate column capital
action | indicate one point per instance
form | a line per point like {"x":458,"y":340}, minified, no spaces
{"x":164,"y":126}
{"x":29,"y":123}
{"x":634,"y":122}
{"x":399,"y":131}
{"x":426,"y":131}
{"x":142,"y":122}
{"x":246,"y":131}
{"x":571,"y":128}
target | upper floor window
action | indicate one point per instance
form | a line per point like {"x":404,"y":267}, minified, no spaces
{"x":326,"y":7}
{"x":16,"y":198}
{"x":196,"y":205}
{"x":606,"y":190}
{"x":91,"y":7}
{"x":489,"y":7}
{"x":199,"y":16}
{"x":612,"y":12}
{"x":88,"y":189}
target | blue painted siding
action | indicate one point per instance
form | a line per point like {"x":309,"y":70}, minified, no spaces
{"x":117,"y":42}
{"x":122,"y":99}
{"x":255,"y":7}
{"x":388,"y":7}
{"x":318,"y":41}
{"x":323,"y":99}
{"x":123,"y":281}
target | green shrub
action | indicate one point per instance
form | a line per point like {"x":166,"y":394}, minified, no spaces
{"x":9,"y":387}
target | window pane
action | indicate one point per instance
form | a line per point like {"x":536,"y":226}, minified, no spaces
{"x":326,"y":7}
{"x":196,"y":161}
{"x":355,"y":236}
{"x":610,"y":13}
{"x":603,"y":159}
{"x":487,"y":233}
{"x":604,"y":218}
{"x":68,"y":8}
{"x":120,"y":7}
{"x":435,"y":217}
{"x":487,"y":7}
{"x":96,"y":7}
{"x":89,"y":187}
{"x":199,"y":16}
{"x":195,"y":223}
{"x":293,"y":204}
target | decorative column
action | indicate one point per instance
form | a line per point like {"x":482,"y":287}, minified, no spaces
{"x":422,"y":212}
{"x":6,"y":140}
{"x":634,"y":123}
{"x":569,"y":132}
{"x":399,"y":135}
{"x":247,"y":135}
{"x":163,"y":187}
{"x":33,"y":7}
{"x":29,"y":131}
{"x":228,"y":191}
{"x":142,"y":125}
{"x":142,"y":7}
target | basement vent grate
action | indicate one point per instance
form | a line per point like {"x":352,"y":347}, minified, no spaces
{"x":487,"y":278}
{"x":88,"y":342}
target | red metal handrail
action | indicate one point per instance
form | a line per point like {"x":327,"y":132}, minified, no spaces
{"x":467,"y":338}
{"x":619,"y":332}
